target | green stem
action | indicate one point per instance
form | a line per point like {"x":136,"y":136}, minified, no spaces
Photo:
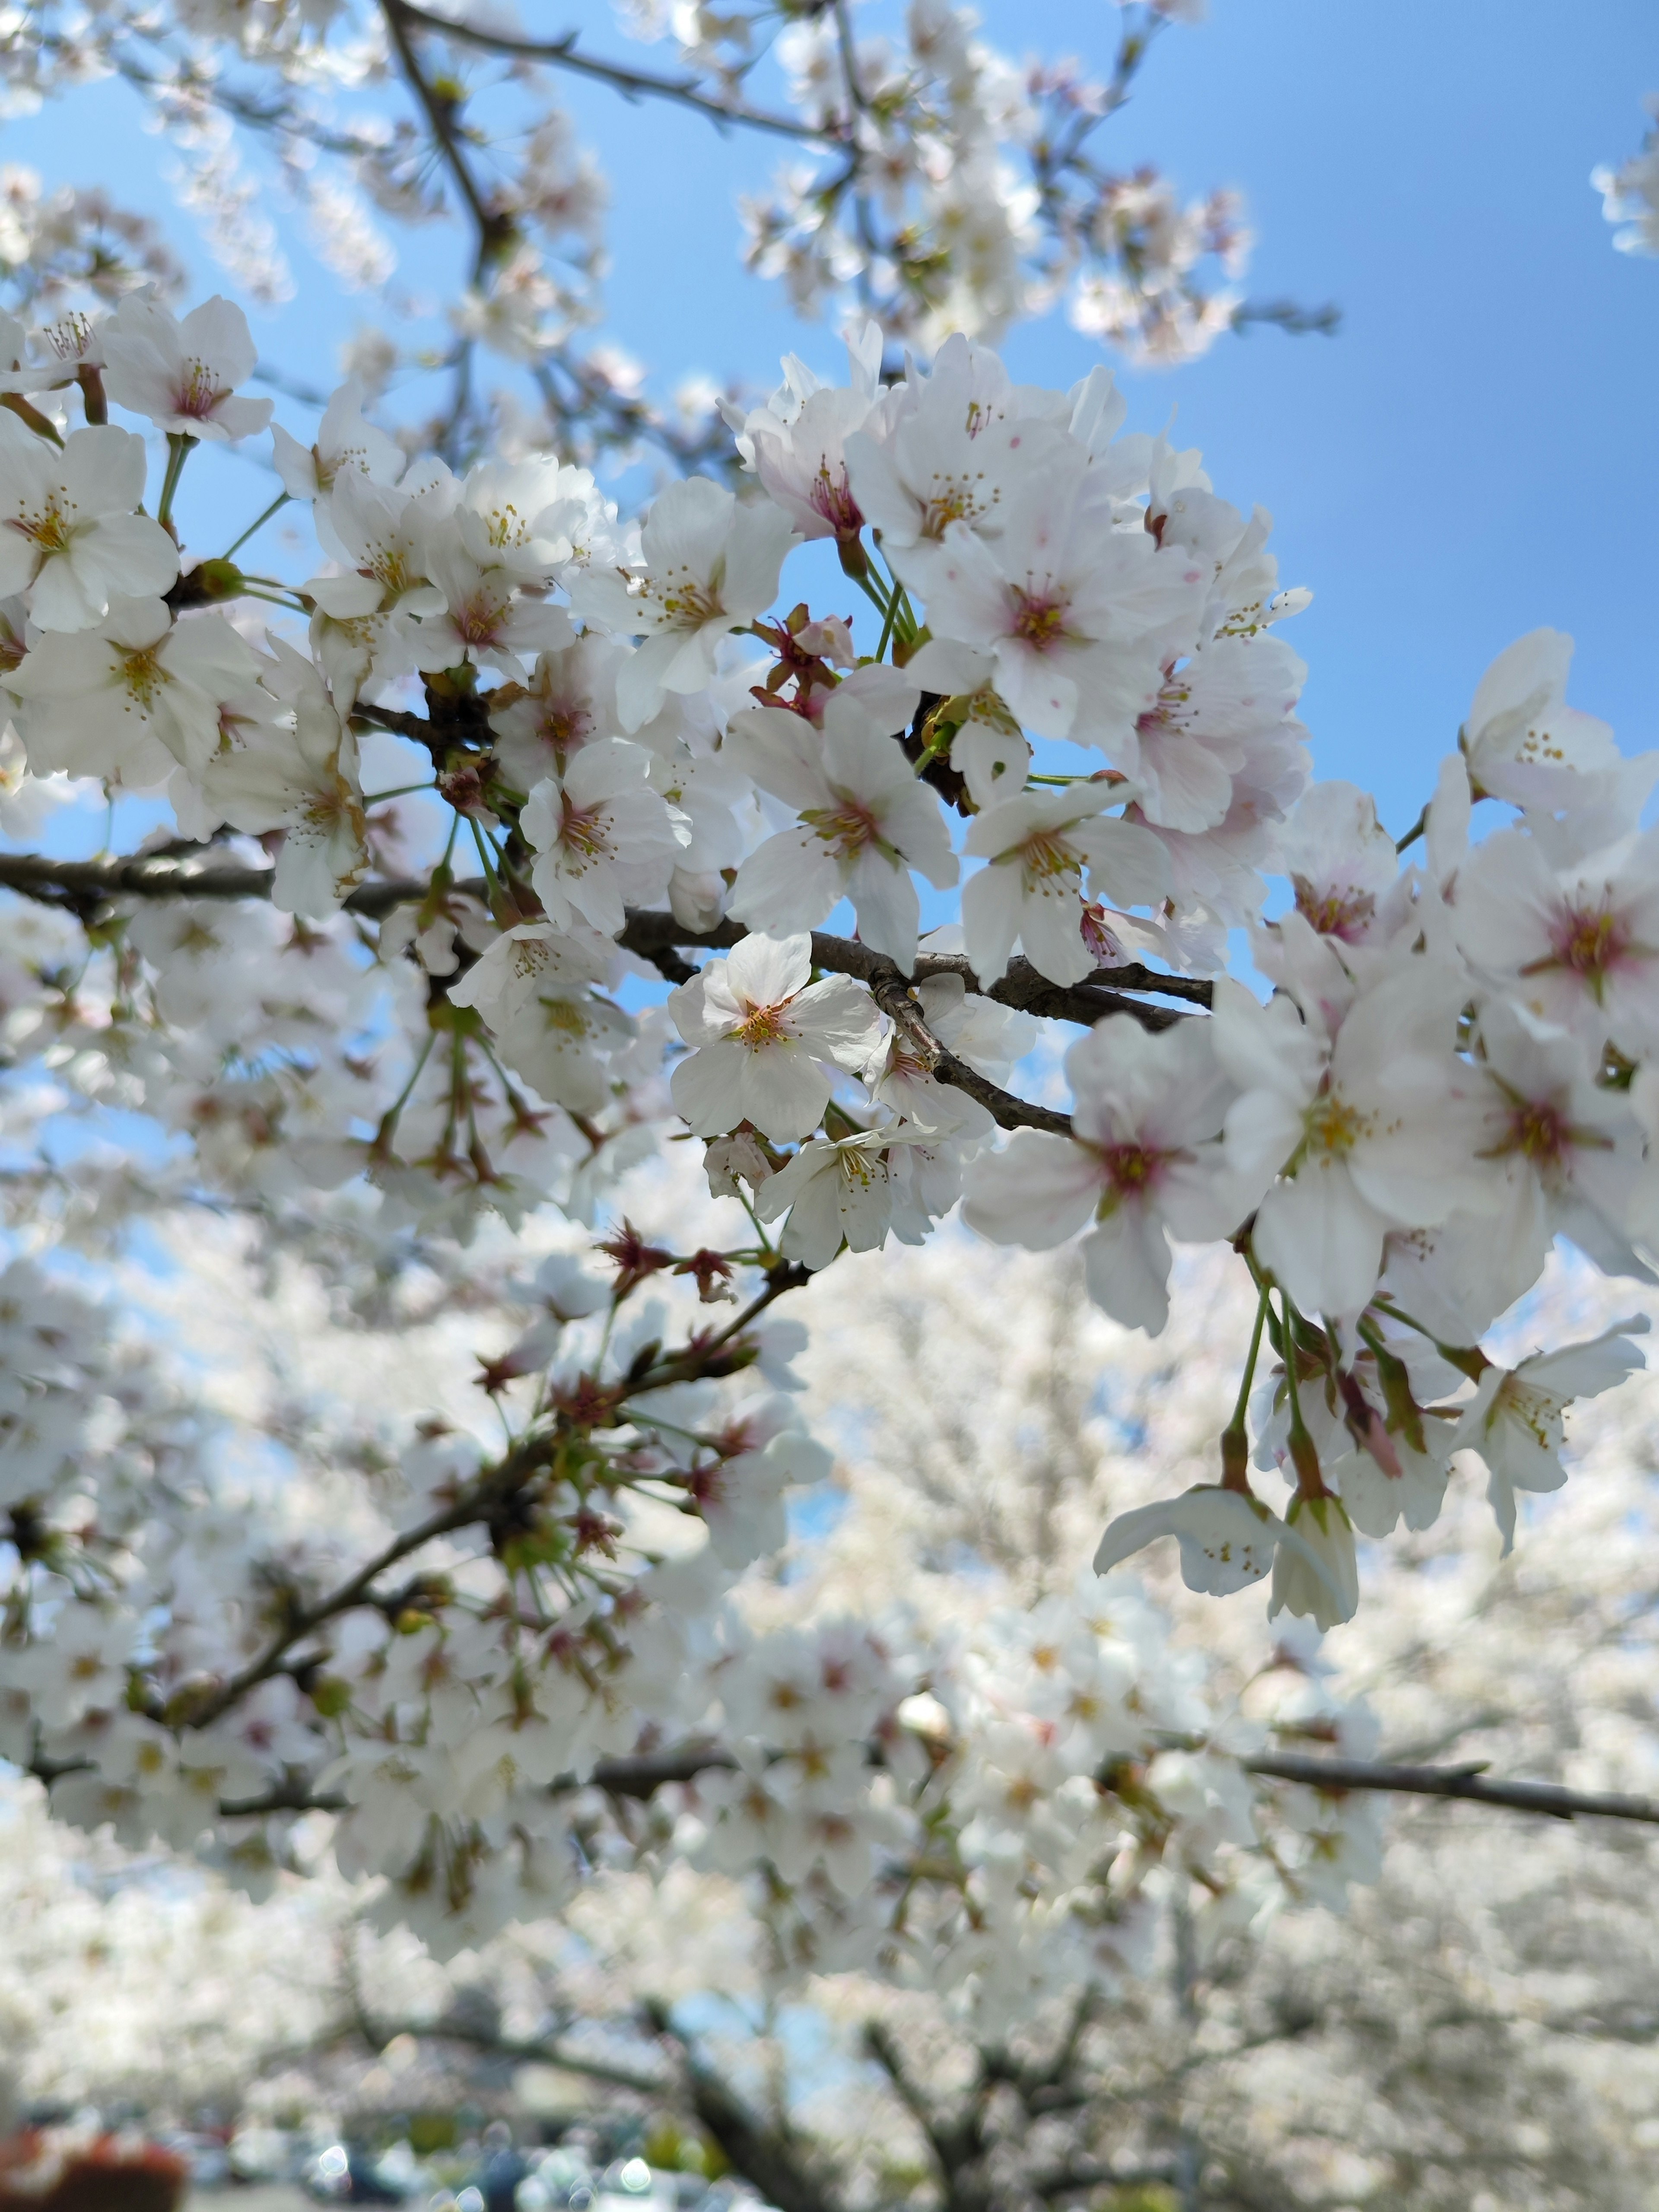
{"x":258,"y":522}
{"x":873,"y":592}
{"x":1235,"y":1437}
{"x":179,"y":447}
{"x":1309,"y":1482}
{"x":1400,"y":844}
{"x":483,"y":843}
{"x":389,"y":1119}
{"x":397,"y":791}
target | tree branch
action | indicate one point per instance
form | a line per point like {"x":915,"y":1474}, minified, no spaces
{"x":1336,"y":1776}
{"x":633,"y":84}
{"x":780,"y":2163}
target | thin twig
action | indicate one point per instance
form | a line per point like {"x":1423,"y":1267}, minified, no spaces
{"x":632,"y":83}
{"x":1335,"y":1776}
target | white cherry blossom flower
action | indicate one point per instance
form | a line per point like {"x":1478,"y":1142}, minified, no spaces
{"x":1145,"y":1162}
{"x":603,"y":837}
{"x":132,"y":697}
{"x":1577,"y":946}
{"x":764,"y":1035}
{"x":710,"y":565}
{"x":1521,"y":741}
{"x":534,"y":985}
{"x":865,"y":821}
{"x":1570,"y":1153}
{"x":302,"y":778}
{"x":184,"y":375}
{"x":525,"y":517}
{"x":1199,"y":733}
{"x":1516,"y":1420}
{"x":346,"y":439}
{"x":486,"y":621}
{"x":1318,"y":1576}
{"x":796,"y":443}
{"x":1227,"y":1539}
{"x":1079,"y":615}
{"x":68,"y":532}
{"x":1372,"y":1132}
{"x":1038,"y":845}
{"x":1342,"y":865}
{"x":833,"y":1190}
{"x":387,"y":533}
{"x":569,"y":702}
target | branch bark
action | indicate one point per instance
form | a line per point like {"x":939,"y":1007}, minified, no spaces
{"x":1469,"y":1783}
{"x":633,"y":83}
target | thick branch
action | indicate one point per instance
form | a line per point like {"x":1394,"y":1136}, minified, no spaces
{"x":958,"y":2143}
{"x":781,"y":2166}
{"x":83,"y":887}
{"x":533,"y":2050}
{"x":1338,"y":1775}
{"x":632,"y":83}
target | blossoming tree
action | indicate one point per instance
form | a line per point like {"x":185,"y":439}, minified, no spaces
{"x":727,"y":880}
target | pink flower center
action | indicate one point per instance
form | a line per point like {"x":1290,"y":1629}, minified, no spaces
{"x":584,"y":830}
{"x":846,"y":829}
{"x":831,"y":496}
{"x":1335,"y":912}
{"x":1130,"y":1168}
{"x":199,"y":391}
{"x":1591,"y":943}
{"x":1039,"y":622}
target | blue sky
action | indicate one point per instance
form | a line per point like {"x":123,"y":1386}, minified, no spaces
{"x":1474,"y":454}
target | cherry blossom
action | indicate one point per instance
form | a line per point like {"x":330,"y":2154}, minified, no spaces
{"x":1371,"y":1131}
{"x":132,"y":696}
{"x":67,"y":531}
{"x":1077,"y":613}
{"x":602,"y":836}
{"x":763,"y":1036}
{"x":864,"y":822}
{"x":709,"y":565}
{"x":1516,"y":1420}
{"x":1038,"y":846}
{"x":184,"y":375}
{"x":1145,"y":1159}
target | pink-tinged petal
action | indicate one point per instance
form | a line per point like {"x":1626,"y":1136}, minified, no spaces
{"x":1125,"y":1263}
{"x":784,"y":1093}
{"x":1321,"y":1240}
{"x":788,"y":884}
{"x":1227,"y":1541}
{"x":990,"y":919}
{"x":1037,"y":1191}
{"x":707,"y":1088}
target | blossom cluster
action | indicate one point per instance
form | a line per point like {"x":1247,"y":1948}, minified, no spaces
{"x":1080,"y":710}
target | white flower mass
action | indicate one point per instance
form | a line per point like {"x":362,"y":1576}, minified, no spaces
{"x":1011,"y":917}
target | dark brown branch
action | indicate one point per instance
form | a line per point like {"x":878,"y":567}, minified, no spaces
{"x":957,"y":2141}
{"x":494,"y":226}
{"x":782,"y":2165}
{"x":1336,"y":1776}
{"x":534,"y":2051}
{"x":84,"y":886}
{"x":632,"y":83}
